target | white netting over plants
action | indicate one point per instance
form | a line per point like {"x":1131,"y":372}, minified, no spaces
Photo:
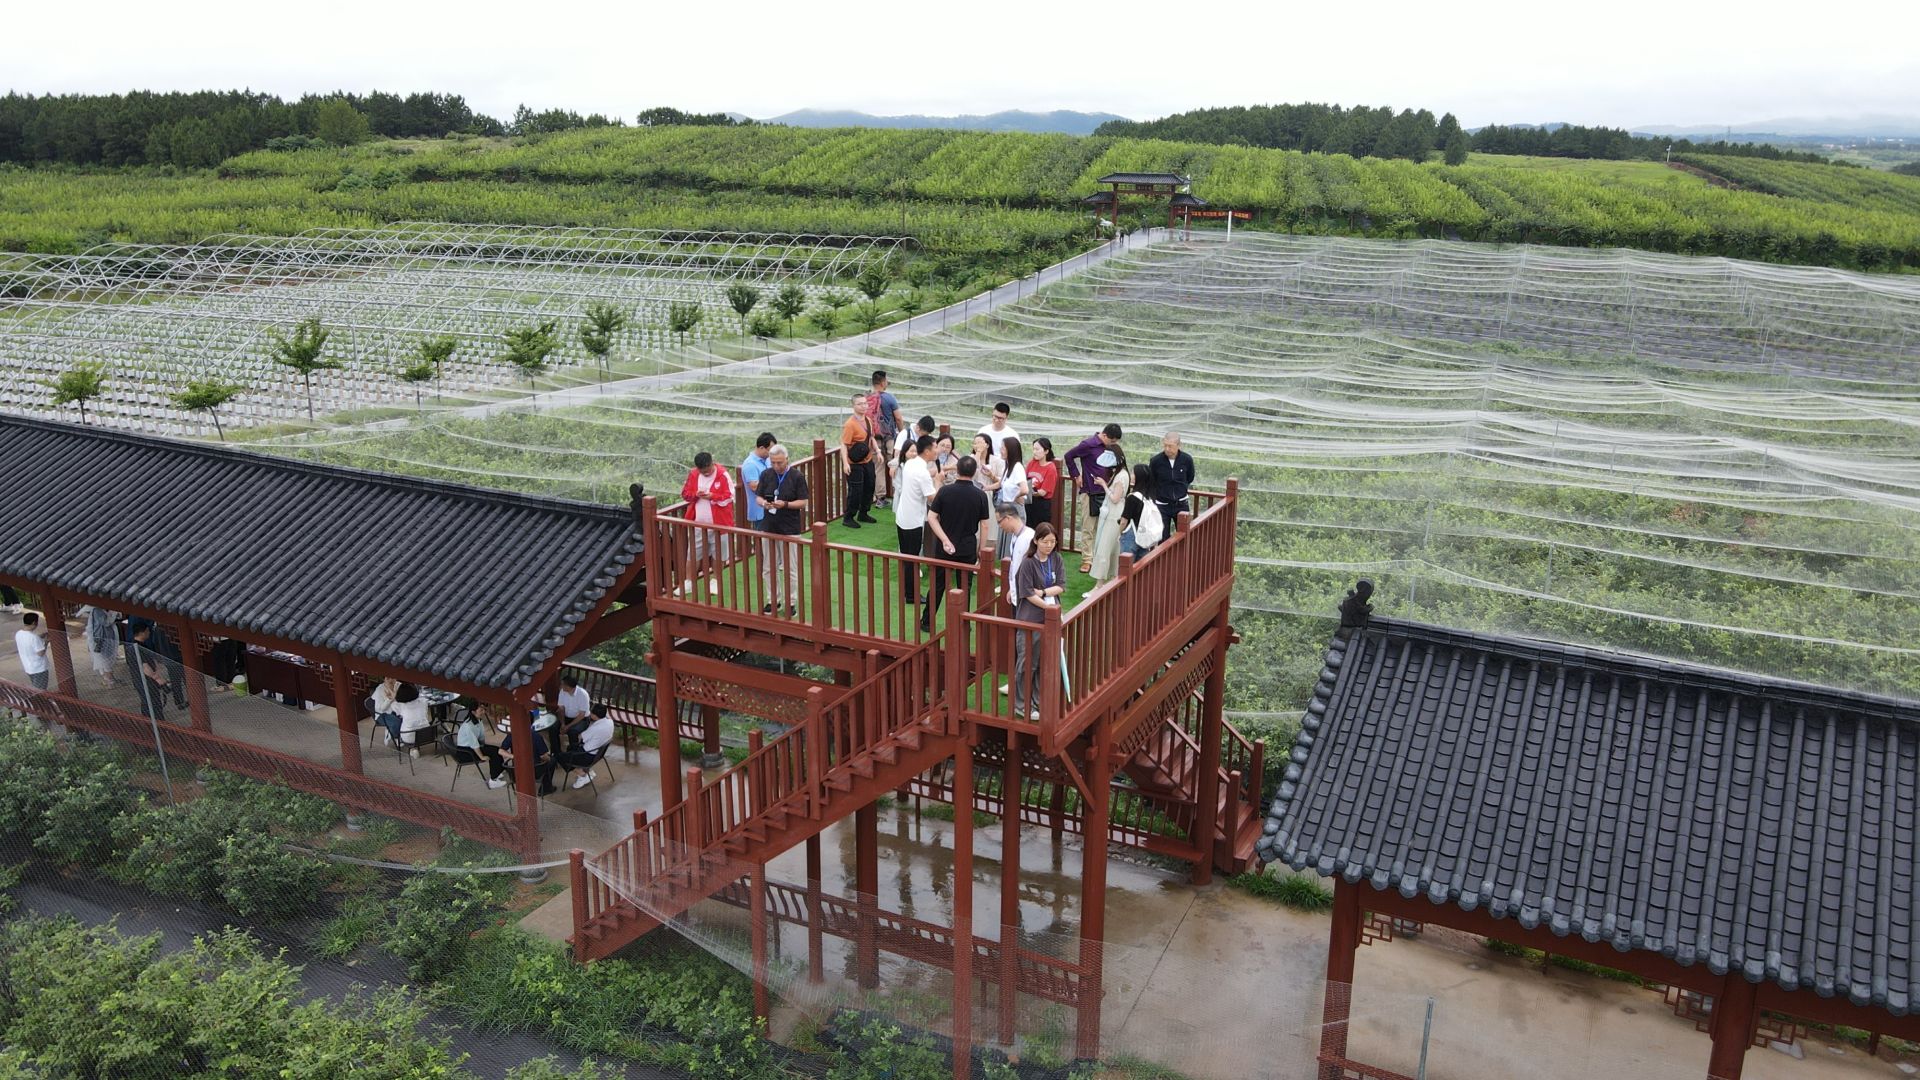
{"x":155,"y":317}
{"x":1739,"y":487}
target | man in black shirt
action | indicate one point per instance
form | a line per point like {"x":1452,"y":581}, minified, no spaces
{"x":783,"y":496}
{"x":1172,"y":474}
{"x":955,"y":516}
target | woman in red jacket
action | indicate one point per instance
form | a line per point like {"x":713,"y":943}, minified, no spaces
{"x":709,"y":496}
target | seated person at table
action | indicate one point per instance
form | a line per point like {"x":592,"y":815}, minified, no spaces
{"x":472,"y":732}
{"x":405,"y":715}
{"x":384,"y":712}
{"x":574,"y":702}
{"x":590,"y":737}
{"x":503,"y":762}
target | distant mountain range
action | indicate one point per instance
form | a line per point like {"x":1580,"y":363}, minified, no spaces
{"x":1879,"y":127}
{"x":1064,"y":121}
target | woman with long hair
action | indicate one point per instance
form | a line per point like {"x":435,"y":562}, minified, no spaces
{"x":1043,"y":479}
{"x":1012,"y":494}
{"x":1138,"y":500}
{"x":1106,"y":534}
{"x":1039,"y":584}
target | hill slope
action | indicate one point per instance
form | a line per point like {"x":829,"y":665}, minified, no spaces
{"x":1059,"y":121}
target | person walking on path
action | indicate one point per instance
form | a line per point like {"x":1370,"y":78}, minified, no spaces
{"x":783,"y":496}
{"x":917,"y":487}
{"x":708,"y":493}
{"x":859,"y":451}
{"x":955,"y":516}
{"x":1091,"y":463}
{"x":31,"y":643}
{"x":888,"y":423}
{"x":1172,"y":476}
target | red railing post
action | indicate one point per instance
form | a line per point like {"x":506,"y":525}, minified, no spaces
{"x":577,"y":878}
{"x":1124,"y":634}
{"x":650,"y":533}
{"x":815,"y":726}
{"x":821,"y":481}
{"x":642,"y":850}
{"x":756,"y":784}
{"x":819,"y":570}
{"x":959,"y":666}
{"x":1050,"y":659}
{"x":696,"y":838}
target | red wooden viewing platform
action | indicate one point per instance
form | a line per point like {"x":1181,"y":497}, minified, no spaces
{"x":1130,"y":743}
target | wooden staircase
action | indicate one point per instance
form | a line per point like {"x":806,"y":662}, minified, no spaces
{"x":1168,"y":764}
{"x":844,"y":755}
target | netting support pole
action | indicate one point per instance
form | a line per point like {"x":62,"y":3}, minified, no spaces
{"x":1094,"y":815}
{"x":963,"y":909}
{"x":816,"y":948}
{"x":866,"y":887}
{"x":346,"y":715}
{"x":1343,"y":941}
{"x":757,"y":928}
{"x":1011,"y":782}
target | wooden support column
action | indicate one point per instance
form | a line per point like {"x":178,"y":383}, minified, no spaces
{"x":1207,"y":822}
{"x":1343,"y":941}
{"x":667,"y":706}
{"x":711,"y":757}
{"x":346,"y":715}
{"x":1733,"y":1022}
{"x":757,"y":930}
{"x":187,"y":642}
{"x":1093,"y":894}
{"x":963,"y":910}
{"x":816,"y":949}
{"x":54,"y":614}
{"x":866,"y":889}
{"x":1010,"y":782}
{"x":527,"y":802}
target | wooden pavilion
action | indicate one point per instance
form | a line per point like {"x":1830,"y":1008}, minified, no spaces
{"x":357,"y":574}
{"x":1745,"y":842}
{"x":1174,"y":187}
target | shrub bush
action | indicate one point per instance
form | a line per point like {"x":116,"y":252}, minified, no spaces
{"x":877,"y":1049}
{"x":259,"y":876}
{"x":173,"y":851}
{"x":433,"y":917}
{"x":77,"y":825}
{"x":1296,"y":890}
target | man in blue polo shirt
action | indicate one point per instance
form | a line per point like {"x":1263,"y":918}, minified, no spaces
{"x":750,"y":471}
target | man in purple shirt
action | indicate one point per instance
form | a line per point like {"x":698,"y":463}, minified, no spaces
{"x":1090,"y":463}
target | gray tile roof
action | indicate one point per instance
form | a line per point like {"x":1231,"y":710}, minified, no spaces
{"x":1738,"y":822}
{"x":473,"y":585}
{"x":1143,"y":178}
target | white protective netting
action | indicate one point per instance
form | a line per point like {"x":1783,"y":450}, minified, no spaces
{"x":1701,"y":459}
{"x":155,"y":316}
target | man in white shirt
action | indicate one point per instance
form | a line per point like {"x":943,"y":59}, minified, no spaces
{"x":999,"y":430}
{"x":574,"y":702}
{"x":32,"y":646}
{"x":589,"y":740}
{"x":916,"y":487}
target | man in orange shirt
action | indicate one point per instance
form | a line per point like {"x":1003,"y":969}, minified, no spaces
{"x":860,"y":449}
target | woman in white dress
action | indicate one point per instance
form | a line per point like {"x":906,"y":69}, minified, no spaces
{"x":1106,"y":535}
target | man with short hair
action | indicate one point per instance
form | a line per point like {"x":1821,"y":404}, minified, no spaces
{"x":149,"y":669}
{"x":783,"y":496}
{"x":590,"y":737}
{"x":750,"y":471}
{"x":917,"y":487}
{"x":31,"y":644}
{"x":574,"y":702}
{"x":1172,"y":476}
{"x":859,"y":450}
{"x":955,"y":515}
{"x":888,"y":421}
{"x":1019,"y":535}
{"x":1090,"y":462}
{"x":999,"y":430}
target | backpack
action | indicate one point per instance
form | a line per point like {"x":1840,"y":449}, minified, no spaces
{"x":1152,"y":528}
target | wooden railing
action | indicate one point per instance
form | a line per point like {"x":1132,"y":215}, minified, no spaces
{"x":789,"y":773}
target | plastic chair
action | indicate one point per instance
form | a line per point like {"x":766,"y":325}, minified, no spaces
{"x":599,"y":756}
{"x":461,"y":757}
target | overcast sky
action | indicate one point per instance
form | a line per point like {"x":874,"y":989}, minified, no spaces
{"x":1623,"y":63}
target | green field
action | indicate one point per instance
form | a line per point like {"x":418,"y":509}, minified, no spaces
{"x":973,"y":197}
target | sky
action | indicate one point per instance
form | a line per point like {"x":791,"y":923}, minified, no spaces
{"x":1624,"y":63}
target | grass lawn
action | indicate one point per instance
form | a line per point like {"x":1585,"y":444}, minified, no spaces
{"x":883,"y":537}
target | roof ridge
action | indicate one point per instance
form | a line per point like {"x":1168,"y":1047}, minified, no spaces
{"x":254,"y":455}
